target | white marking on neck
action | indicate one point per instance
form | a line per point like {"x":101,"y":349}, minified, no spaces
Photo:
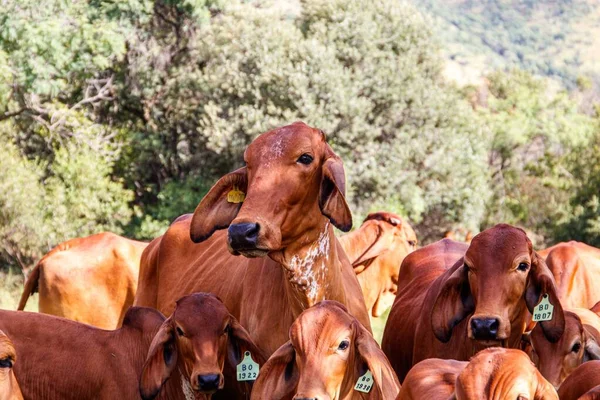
{"x":308,"y":272}
{"x":186,"y":387}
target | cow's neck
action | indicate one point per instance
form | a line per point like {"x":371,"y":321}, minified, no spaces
{"x":313,"y":270}
{"x":357,"y":243}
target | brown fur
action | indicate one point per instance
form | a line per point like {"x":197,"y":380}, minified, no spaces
{"x":313,"y":365}
{"x":92,"y":280}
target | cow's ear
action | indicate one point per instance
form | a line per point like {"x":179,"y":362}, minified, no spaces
{"x":218,"y":208}
{"x":383,"y":374}
{"x":376,"y":243}
{"x":161,"y":360}
{"x":453,"y":303}
{"x":239,"y":343}
{"x":279,"y":377}
{"x":591,"y":347}
{"x":540,"y":283}
{"x":331,"y":197}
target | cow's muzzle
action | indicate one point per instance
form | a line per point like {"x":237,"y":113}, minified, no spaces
{"x":485,"y":328}
{"x":243,"y":236}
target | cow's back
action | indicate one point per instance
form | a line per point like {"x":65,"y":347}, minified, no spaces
{"x":417,"y":274}
{"x":576,"y":268}
{"x":91,"y":280}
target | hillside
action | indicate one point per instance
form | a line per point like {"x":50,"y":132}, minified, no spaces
{"x":559,"y":39}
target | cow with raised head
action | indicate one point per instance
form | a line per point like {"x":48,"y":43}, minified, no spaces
{"x":376,"y":251}
{"x":278,"y":213}
{"x":92,"y":280}
{"x":330,"y":355}
{"x":455,"y":300}
{"x":150,"y":356}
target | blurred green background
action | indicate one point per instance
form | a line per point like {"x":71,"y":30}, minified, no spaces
{"x":120,"y":115}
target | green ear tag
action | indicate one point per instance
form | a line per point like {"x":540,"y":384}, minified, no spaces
{"x":544,"y":310}
{"x":247,"y":370}
{"x":236,"y":196}
{"x":364,"y":383}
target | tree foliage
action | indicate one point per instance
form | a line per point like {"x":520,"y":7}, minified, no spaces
{"x":120,"y":116}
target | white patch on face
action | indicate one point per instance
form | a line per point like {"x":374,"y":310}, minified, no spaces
{"x":186,"y":387}
{"x":272,"y":153}
{"x":309,"y":271}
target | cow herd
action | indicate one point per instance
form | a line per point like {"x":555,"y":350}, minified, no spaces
{"x":254,"y":297}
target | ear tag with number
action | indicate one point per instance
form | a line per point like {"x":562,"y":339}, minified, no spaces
{"x":544,"y":310}
{"x":236,"y":196}
{"x":247,"y":370}
{"x":364,"y":383}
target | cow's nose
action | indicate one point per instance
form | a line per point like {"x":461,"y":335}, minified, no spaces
{"x":243,"y":236}
{"x":485,"y":328}
{"x":208,"y":383}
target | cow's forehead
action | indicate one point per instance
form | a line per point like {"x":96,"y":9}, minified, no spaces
{"x":319,"y":323}
{"x":281,"y":141}
{"x":501,"y":240}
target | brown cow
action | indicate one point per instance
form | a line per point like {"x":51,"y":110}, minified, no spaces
{"x":91,"y":280}
{"x":184,"y":354}
{"x":578,"y":344}
{"x":452,"y":303}
{"x":498,"y":374}
{"x":283,"y":204}
{"x":576,"y":268}
{"x":9,"y":387}
{"x":376,"y":251}
{"x":582,"y":383}
{"x":493,"y":373}
{"x":328,"y":354}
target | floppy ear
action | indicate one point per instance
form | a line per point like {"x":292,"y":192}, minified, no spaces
{"x":161,"y":360}
{"x":278,"y":378}
{"x":540,"y":282}
{"x":453,"y":303}
{"x":591,"y":347}
{"x":240,"y":342}
{"x":331,"y":197}
{"x":214,"y":211}
{"x":383,"y":374}
{"x":377,"y":243}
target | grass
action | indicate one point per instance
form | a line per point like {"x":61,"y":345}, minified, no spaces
{"x":11,"y":287}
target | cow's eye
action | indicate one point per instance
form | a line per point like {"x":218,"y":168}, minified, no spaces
{"x":576,"y":347}
{"x":412,"y":243}
{"x":344,"y":344}
{"x":523,"y":267}
{"x":180,"y":331}
{"x":6,"y":363}
{"x":305,"y":159}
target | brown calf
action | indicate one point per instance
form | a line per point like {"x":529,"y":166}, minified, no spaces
{"x":498,"y":374}
{"x":328,"y":354}
{"x":431,"y":379}
{"x":376,"y":250}
{"x":9,"y":387}
{"x":578,"y":344}
{"x":181,"y":356}
{"x":92,"y":280}
{"x":452,"y":303}
{"x":279,"y":211}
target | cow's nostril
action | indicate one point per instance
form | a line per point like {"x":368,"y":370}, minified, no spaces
{"x":243,"y":236}
{"x":485,"y":328}
{"x":209,"y":382}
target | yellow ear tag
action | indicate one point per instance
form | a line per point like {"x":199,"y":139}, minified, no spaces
{"x":544,"y":310}
{"x":236,"y":196}
{"x":247,"y":370}
{"x":364,"y":383}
